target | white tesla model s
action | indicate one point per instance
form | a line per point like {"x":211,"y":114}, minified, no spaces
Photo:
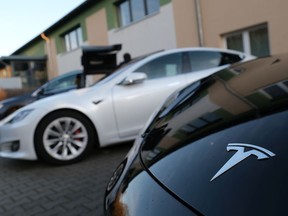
{"x":62,"y":129}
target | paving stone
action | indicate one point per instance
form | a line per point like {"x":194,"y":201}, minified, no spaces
{"x":32,"y":188}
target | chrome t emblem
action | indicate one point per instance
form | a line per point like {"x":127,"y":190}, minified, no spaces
{"x":241,"y":154}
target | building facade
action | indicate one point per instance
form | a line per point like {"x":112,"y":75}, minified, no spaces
{"x":145,"y":26}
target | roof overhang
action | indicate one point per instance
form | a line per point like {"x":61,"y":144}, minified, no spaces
{"x":8,"y":59}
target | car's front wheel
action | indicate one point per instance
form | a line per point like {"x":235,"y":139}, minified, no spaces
{"x":64,"y":137}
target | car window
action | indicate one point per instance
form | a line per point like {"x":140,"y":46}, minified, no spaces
{"x":62,"y":83}
{"x":229,"y":58}
{"x":202,"y":60}
{"x":165,"y":66}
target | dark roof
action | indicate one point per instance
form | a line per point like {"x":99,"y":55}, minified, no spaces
{"x":8,"y":59}
{"x":66,"y":18}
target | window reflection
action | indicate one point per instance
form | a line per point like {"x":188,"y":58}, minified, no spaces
{"x":134,"y":10}
{"x":125,"y":13}
{"x":73,"y":39}
{"x":276,"y":91}
{"x":218,"y":103}
{"x":152,"y":6}
{"x":138,"y":9}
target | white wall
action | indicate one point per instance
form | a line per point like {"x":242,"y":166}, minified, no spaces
{"x":72,"y":61}
{"x":69,"y":61}
{"x":153,"y":33}
{"x":11,"y":83}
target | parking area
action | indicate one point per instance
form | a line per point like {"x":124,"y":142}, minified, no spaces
{"x":34,"y":188}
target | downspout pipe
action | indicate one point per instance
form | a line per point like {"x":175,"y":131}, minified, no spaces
{"x":199,"y":23}
{"x":49,"y":55}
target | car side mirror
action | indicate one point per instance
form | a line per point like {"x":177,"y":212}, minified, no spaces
{"x":38,"y":93}
{"x":134,"y":78}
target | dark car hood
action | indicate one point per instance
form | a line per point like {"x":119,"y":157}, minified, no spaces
{"x":222,"y":148}
{"x":12,"y":100}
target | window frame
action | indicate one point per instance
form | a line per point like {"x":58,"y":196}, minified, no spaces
{"x":245,"y":36}
{"x":76,"y":32}
{"x":147,"y":11}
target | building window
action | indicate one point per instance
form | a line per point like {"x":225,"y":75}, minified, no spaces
{"x":254,"y":41}
{"x":32,"y":73}
{"x":73,"y":39}
{"x":133,"y":10}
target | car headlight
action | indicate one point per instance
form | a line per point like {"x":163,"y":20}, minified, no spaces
{"x":20,"y":116}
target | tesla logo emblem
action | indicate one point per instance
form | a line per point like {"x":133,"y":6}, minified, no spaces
{"x":241,"y":154}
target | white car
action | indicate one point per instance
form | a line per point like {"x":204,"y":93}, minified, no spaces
{"x":62,"y":129}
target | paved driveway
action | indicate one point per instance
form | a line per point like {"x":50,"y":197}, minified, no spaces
{"x":33,"y":188}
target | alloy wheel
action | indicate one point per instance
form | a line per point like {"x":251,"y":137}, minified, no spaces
{"x":65,"y":138}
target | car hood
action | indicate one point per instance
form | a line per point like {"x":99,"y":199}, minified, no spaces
{"x":222,"y":146}
{"x":79,"y":99}
{"x":16,"y":99}
{"x":73,"y":96}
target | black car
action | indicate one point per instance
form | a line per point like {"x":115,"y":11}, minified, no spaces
{"x":66,"y":82}
{"x":217,"y":147}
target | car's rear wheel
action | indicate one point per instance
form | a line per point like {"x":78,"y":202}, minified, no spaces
{"x":64,"y":137}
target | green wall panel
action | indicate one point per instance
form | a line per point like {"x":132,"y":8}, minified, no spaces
{"x":36,"y":47}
